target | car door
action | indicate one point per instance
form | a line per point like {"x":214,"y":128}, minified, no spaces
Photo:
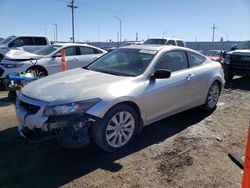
{"x":167,"y":96}
{"x":202,"y":71}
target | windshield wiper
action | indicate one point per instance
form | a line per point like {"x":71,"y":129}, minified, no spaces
{"x":110,"y":72}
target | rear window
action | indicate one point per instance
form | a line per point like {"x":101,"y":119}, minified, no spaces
{"x":155,"y":41}
{"x":40,"y":41}
{"x":180,"y":43}
{"x":171,"y":42}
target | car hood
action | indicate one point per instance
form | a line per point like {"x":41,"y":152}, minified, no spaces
{"x":21,"y":55}
{"x":240,"y":52}
{"x":77,"y":85}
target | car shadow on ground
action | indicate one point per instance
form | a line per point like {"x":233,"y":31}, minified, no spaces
{"x":5,"y":102}
{"x":26,"y":164}
{"x":242,"y":83}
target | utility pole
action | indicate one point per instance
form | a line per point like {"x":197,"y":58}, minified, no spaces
{"x":120,"y":21}
{"x":213,"y":28}
{"x":71,"y":5}
{"x":55,"y":31}
{"x":136,"y":37}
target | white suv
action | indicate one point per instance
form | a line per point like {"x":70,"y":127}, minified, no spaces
{"x":166,"y":41}
{"x":27,"y":43}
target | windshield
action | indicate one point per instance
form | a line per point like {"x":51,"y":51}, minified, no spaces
{"x":246,"y":45}
{"x":214,"y":53}
{"x":48,"y":50}
{"x":155,"y":41}
{"x":124,"y":62}
{"x":5,"y":41}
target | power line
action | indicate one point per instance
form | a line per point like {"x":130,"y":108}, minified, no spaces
{"x":71,"y":5}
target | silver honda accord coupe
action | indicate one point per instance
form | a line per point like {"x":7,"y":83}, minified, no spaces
{"x":112,"y":99}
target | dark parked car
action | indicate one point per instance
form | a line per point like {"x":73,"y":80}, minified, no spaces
{"x":237,"y":62}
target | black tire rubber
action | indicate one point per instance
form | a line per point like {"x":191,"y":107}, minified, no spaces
{"x":1,"y":57}
{"x":12,"y":95}
{"x":40,"y":70}
{"x":98,"y":130}
{"x":206,"y":106}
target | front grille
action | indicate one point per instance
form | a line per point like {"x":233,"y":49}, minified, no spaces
{"x":240,"y":60}
{"x":30,"y":108}
{"x":1,"y":71}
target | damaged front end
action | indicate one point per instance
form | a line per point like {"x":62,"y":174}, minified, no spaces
{"x":71,"y":131}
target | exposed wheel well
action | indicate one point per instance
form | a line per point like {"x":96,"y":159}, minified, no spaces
{"x":40,"y":68}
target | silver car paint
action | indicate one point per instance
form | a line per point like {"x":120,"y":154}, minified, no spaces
{"x":155,"y":99}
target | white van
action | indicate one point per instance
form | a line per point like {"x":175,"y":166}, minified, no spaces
{"x":166,"y":41}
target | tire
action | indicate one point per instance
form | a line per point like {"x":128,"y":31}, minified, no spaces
{"x":38,"y":71}
{"x":116,"y":129}
{"x":212,"y":97}
{"x":12,"y":95}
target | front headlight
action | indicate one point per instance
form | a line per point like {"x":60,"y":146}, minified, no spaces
{"x":11,"y":66}
{"x":70,"y":108}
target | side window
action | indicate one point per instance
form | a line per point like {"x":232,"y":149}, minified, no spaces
{"x":23,"y":41}
{"x":171,"y":42}
{"x":86,"y":50}
{"x":98,"y":51}
{"x":173,"y":61}
{"x":40,"y":41}
{"x":195,"y":59}
{"x":70,"y":51}
{"x":180,"y":43}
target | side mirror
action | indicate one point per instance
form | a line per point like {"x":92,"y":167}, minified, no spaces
{"x":161,"y":74}
{"x":11,"y":44}
{"x":57,"y":54}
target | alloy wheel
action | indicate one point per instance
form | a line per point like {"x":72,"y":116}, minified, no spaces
{"x":120,"y":129}
{"x":213,"y":96}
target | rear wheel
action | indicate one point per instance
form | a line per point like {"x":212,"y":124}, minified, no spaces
{"x":212,"y":96}
{"x":117,"y":128}
{"x":38,"y":71}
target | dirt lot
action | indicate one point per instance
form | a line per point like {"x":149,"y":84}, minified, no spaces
{"x":187,"y":150}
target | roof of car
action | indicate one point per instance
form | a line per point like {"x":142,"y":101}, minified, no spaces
{"x":69,"y":44}
{"x":165,"y":39}
{"x":155,"y":47}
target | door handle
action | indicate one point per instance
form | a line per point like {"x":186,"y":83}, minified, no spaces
{"x":75,"y":59}
{"x":189,"y":76}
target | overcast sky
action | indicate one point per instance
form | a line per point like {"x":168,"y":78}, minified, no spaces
{"x":94,"y":20}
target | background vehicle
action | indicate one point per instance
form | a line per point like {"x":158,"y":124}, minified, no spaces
{"x":114,"y":97}
{"x":166,"y":41}
{"x":237,"y":62}
{"x":215,"y":55}
{"x":48,"y":60}
{"x":27,"y":43}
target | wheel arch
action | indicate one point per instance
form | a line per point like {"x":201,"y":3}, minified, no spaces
{"x":40,"y":67}
{"x":101,"y":109}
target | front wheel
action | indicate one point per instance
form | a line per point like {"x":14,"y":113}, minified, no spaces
{"x":212,"y":97}
{"x":117,"y":128}
{"x":37,"y":71}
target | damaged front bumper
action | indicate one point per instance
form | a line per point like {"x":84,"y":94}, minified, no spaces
{"x":71,"y":131}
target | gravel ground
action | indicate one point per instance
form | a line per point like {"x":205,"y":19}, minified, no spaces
{"x":189,"y":149}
